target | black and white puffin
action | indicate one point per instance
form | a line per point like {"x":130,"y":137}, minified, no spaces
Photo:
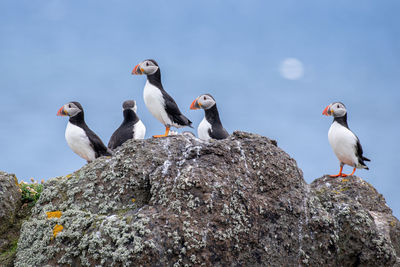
{"x":343,"y":141}
{"x":210,"y":126}
{"x":131,"y":127}
{"x":160,"y":104}
{"x":80,"y":138}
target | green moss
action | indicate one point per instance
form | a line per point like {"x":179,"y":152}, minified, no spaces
{"x":7,"y":256}
{"x":31,"y":193}
{"x":122,"y":212}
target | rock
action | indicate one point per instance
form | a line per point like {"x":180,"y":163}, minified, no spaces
{"x":350,"y":224}
{"x":10,"y":202}
{"x":180,"y":201}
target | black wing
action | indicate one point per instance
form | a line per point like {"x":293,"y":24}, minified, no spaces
{"x":359,"y":152}
{"x":218,"y":133}
{"x":95,"y":142}
{"x":121,"y":135}
{"x":173,"y":111}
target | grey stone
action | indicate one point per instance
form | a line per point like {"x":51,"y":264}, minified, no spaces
{"x":241,"y":201}
{"x":10,"y":203}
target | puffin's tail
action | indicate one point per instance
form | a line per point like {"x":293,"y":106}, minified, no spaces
{"x":184,"y":121}
{"x":107,"y":152}
{"x":189,"y":123}
{"x":362,"y":163}
{"x":366,"y":159}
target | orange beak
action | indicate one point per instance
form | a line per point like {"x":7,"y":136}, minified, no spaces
{"x":326,"y":111}
{"x":195,"y":105}
{"x":137,"y":70}
{"x":62,"y":112}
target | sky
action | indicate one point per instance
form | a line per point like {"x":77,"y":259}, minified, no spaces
{"x":272,"y":66}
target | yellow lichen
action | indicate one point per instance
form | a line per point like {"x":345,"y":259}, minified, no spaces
{"x":345,"y":180}
{"x":133,"y":200}
{"x":53,"y":214}
{"x":58,"y":228}
{"x":68,"y":176}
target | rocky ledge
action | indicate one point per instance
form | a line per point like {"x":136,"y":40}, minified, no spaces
{"x":179,"y":201}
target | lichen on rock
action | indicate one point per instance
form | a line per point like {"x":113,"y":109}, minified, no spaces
{"x":10,"y":217}
{"x":239,"y":201}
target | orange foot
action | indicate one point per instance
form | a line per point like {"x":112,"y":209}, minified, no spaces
{"x":339,"y":174}
{"x":354,"y":170}
{"x":163,"y":135}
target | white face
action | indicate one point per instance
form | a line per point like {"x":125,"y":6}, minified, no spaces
{"x":148,"y":67}
{"x":337,"y":109}
{"x":71,"y":109}
{"x":205,"y":101}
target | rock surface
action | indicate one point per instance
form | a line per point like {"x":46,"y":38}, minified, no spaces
{"x":10,"y":203}
{"x":349,"y":224}
{"x":185,"y":202}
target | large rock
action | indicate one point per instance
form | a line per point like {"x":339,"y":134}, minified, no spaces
{"x":349,"y":224}
{"x":10,"y":202}
{"x":181,"y":201}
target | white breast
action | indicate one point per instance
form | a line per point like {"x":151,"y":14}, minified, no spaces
{"x":139,"y":130}
{"x":343,"y":143}
{"x":155,"y":103}
{"x":203,"y":128}
{"x":79,"y":142}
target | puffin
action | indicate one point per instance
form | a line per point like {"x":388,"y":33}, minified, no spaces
{"x":210,"y":127}
{"x":80,"y":138}
{"x":131,"y":127}
{"x":344,"y":142}
{"x":160,"y":104}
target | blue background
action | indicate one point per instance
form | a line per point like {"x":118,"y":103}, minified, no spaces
{"x":52,"y":52}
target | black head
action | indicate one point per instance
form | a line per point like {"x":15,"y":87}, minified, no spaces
{"x":205,"y":101}
{"x":336,"y":109}
{"x":153,"y":61}
{"x":147,"y":67}
{"x":70,"y":109}
{"x":129,"y":104}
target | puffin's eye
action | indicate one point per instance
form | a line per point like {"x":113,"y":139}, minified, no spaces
{"x":147,"y":64}
{"x":205,"y":98}
{"x":338,"y":106}
{"x":69,"y":105}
